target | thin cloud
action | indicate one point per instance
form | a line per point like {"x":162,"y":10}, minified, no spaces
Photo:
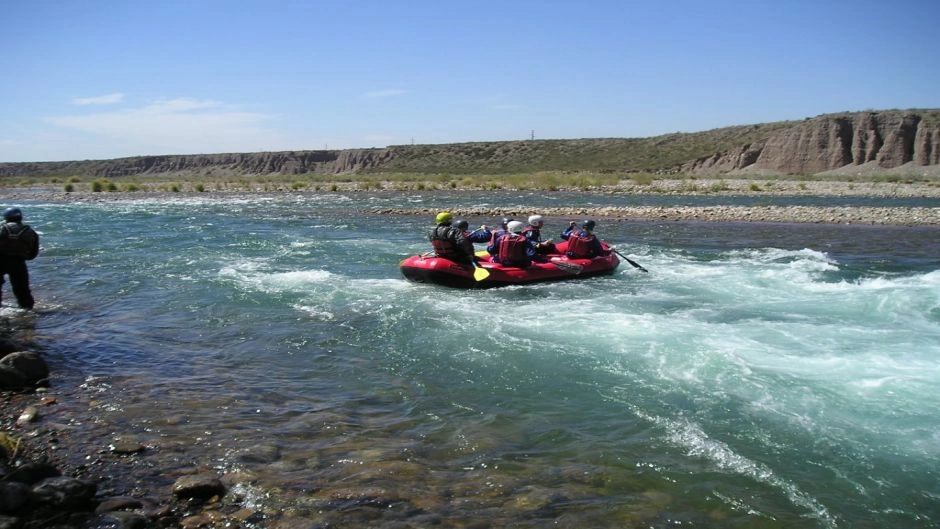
{"x":181,"y":125}
{"x":181,"y":104}
{"x":109,"y":99}
{"x":384,"y":93}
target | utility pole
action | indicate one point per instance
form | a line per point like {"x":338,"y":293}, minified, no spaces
{"x":532,"y":137}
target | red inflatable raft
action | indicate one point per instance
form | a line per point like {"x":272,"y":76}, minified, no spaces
{"x":487,"y":274}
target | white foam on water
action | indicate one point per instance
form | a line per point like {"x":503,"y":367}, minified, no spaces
{"x":689,"y":435}
{"x":847,"y":363}
{"x":254,"y":275}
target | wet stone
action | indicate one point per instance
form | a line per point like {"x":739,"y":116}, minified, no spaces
{"x":33,"y":472}
{"x":126,"y":446}
{"x":13,"y":495}
{"x":64,"y":492}
{"x":125,"y":520}
{"x":30,"y":364}
{"x":262,"y":453}
{"x":30,"y":414}
{"x":201,"y":487}
{"x":118,"y":503}
{"x":11,"y":378}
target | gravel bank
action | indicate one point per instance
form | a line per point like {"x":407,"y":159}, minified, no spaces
{"x":779,"y":214}
{"x":679,"y":187}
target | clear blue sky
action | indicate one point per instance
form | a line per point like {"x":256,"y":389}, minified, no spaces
{"x":104,"y":79}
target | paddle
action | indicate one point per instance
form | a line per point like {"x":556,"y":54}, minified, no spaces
{"x":479,"y":273}
{"x":631,"y":261}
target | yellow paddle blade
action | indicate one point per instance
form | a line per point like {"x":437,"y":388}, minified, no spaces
{"x":482,"y":253}
{"x":480,"y":273}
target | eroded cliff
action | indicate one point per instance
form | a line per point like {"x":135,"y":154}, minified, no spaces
{"x":889,"y":139}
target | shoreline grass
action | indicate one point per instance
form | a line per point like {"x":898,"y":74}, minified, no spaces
{"x":546,"y":181}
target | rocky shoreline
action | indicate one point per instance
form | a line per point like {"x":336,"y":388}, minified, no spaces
{"x":776,"y":214}
{"x":41,"y":487}
{"x":904,"y":216}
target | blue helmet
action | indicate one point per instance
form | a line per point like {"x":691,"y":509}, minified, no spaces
{"x":588,"y":225}
{"x":12,"y":215}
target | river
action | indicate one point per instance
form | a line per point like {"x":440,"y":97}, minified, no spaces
{"x":760,"y":375}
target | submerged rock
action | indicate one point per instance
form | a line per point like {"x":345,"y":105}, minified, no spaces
{"x":199,"y":486}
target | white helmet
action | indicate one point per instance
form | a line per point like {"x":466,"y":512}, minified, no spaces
{"x":536,"y":220}
{"x":515,"y":226}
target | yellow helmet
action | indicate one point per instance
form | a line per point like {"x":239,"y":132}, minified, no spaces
{"x":443,"y":217}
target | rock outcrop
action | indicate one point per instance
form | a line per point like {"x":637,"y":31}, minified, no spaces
{"x":887,"y":139}
{"x":260,"y":163}
{"x":824,"y":144}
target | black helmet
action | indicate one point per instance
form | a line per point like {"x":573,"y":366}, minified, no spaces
{"x":461,"y":225}
{"x":506,"y":221}
{"x":588,"y":225}
{"x":12,"y":215}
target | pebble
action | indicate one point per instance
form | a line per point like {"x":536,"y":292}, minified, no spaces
{"x":30,"y":414}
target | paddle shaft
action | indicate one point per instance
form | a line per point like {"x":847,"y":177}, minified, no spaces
{"x":631,"y":261}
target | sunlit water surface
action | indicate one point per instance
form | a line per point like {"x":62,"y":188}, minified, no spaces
{"x":761,"y":375}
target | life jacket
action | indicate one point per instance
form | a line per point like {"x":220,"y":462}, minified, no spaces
{"x":496,"y":235}
{"x":512,"y":250}
{"x":445,"y":245}
{"x":18,"y":240}
{"x":579,"y":246}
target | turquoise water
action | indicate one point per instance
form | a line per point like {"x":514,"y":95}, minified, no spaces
{"x":761,"y":375}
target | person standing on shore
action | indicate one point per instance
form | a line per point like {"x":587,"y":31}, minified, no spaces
{"x":18,"y":244}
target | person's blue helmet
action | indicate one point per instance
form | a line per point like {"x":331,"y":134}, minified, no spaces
{"x":12,"y":215}
{"x":588,"y":225}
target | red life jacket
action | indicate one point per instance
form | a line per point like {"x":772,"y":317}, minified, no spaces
{"x":579,"y":247}
{"x":512,"y":250}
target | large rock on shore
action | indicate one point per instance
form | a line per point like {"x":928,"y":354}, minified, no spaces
{"x":22,"y":369}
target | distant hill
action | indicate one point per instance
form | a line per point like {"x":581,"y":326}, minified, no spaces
{"x":851,"y":142}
